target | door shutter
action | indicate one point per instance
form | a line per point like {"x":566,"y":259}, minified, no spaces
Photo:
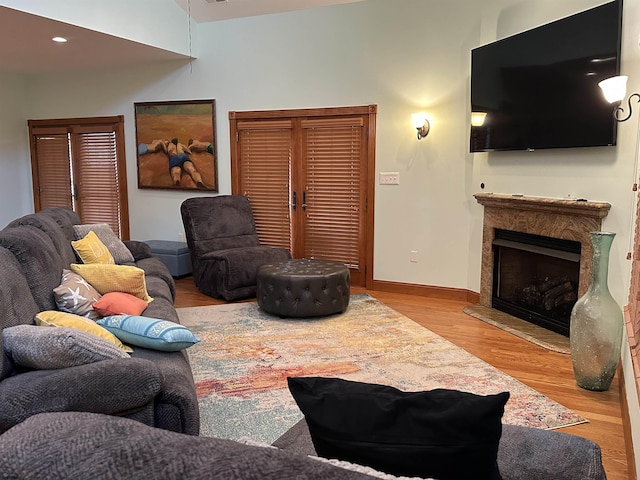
{"x":333,"y":150}
{"x":52,"y":175}
{"x":264,"y":148}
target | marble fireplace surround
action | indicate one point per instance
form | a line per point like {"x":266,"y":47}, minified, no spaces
{"x":552,"y":217}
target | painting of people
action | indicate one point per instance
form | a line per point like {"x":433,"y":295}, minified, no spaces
{"x":176,"y":145}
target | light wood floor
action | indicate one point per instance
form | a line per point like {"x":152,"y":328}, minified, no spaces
{"x":547,"y":372}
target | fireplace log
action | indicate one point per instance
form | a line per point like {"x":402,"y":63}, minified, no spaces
{"x":550,"y":296}
{"x":569,"y":297}
{"x":530,"y":295}
{"x":550,"y":283}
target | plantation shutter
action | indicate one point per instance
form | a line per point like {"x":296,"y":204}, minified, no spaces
{"x":80,"y":163}
{"x":333,"y":181}
{"x":52,"y":175}
{"x":264,"y":149}
{"x":99,"y":192}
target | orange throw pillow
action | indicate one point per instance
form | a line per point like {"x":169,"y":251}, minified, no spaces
{"x":118,"y":303}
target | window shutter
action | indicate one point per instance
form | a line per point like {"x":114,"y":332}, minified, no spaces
{"x":333,"y":181}
{"x":52,"y":184}
{"x":80,"y":163}
{"x":95,"y":152}
{"x":265,"y":168}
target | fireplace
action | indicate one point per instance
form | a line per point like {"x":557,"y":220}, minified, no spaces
{"x":532,"y":245}
{"x":536,"y":278}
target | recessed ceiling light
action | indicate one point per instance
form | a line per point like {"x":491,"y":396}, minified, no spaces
{"x":59,"y":39}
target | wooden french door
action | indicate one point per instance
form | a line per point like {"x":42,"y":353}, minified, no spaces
{"x":309,"y":177}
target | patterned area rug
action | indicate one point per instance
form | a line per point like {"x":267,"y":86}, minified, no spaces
{"x":245,"y":356}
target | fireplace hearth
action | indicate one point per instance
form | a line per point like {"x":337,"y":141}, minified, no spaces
{"x":536,"y":256}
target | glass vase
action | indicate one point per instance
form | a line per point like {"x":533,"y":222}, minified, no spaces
{"x":596,"y":324}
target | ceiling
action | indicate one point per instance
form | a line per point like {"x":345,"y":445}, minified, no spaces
{"x":214,"y":10}
{"x":26,"y":46}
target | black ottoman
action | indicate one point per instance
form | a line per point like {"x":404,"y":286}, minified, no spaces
{"x":303,"y":288}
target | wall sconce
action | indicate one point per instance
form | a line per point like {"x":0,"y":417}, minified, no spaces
{"x":421,"y":123}
{"x":478,"y":118}
{"x":614,"y":90}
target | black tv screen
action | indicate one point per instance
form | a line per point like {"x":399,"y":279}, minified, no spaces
{"x":539,"y":88}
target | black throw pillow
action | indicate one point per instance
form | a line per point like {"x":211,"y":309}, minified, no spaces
{"x":445,"y":434}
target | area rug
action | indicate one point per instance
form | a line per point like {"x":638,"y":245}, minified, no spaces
{"x":245,"y":355}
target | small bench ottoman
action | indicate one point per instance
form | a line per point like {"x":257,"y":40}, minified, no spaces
{"x":303,"y":288}
{"x":175,"y":255}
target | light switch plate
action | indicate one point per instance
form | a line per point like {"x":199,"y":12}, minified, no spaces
{"x":389,"y":178}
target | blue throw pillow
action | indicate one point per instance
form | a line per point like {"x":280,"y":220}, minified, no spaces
{"x":148,"y":332}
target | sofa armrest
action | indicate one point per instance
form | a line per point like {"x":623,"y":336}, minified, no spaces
{"x":114,"y":387}
{"x":534,"y":454}
{"x":85,"y":445}
{"x":138,"y":249}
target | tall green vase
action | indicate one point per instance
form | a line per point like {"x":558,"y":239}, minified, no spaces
{"x":596,"y":324}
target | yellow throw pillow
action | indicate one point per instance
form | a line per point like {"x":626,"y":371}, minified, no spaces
{"x":107,"y":278}
{"x":90,"y":249}
{"x":53,"y":318}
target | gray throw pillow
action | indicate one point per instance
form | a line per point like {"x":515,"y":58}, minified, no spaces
{"x":45,"y":348}
{"x":76,"y":295}
{"x":119,"y":251}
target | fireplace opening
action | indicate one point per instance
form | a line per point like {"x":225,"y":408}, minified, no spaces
{"x":536,"y":278}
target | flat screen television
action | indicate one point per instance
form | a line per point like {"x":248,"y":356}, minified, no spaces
{"x":539,"y":89}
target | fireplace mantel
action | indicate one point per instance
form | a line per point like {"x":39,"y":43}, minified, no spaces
{"x":544,"y":204}
{"x":550,"y":217}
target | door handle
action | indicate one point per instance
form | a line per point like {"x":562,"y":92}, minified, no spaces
{"x":294,"y":201}
{"x":304,"y":200}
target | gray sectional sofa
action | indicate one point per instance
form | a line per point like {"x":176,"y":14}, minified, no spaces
{"x":153,"y":387}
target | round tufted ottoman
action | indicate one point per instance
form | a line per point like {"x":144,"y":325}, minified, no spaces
{"x":303,"y":288}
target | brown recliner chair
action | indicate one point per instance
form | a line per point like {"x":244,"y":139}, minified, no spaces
{"x":224,"y":246}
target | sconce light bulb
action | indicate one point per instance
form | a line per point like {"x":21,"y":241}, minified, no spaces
{"x":614,"y":88}
{"x":478,"y":118}
{"x":421,"y":123}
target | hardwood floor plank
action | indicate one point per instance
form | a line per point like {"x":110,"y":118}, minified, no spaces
{"x":548,"y":372}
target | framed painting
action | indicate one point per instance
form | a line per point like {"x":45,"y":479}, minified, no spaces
{"x":176,"y":143}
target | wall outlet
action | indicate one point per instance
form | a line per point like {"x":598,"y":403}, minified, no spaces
{"x":389,"y":178}
{"x":413,"y":256}
{"x":181,"y":237}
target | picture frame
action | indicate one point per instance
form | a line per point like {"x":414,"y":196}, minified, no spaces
{"x":176,"y":145}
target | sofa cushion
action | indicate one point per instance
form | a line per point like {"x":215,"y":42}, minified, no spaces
{"x":107,"y":278}
{"x":39,"y":260}
{"x":446,"y":434}
{"x":147,"y":332}
{"x":118,"y":303}
{"x":17,"y":306}
{"x":90,"y":249}
{"x":154,"y":268}
{"x":52,"y":318}
{"x":524,"y":453}
{"x":118,"y":249}
{"x":36,"y":347}
{"x":75,"y":295}
{"x":47,"y":222}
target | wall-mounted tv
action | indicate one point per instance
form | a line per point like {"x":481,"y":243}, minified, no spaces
{"x":539,"y":89}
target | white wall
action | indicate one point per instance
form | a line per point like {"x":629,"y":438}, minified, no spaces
{"x":15,"y":164}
